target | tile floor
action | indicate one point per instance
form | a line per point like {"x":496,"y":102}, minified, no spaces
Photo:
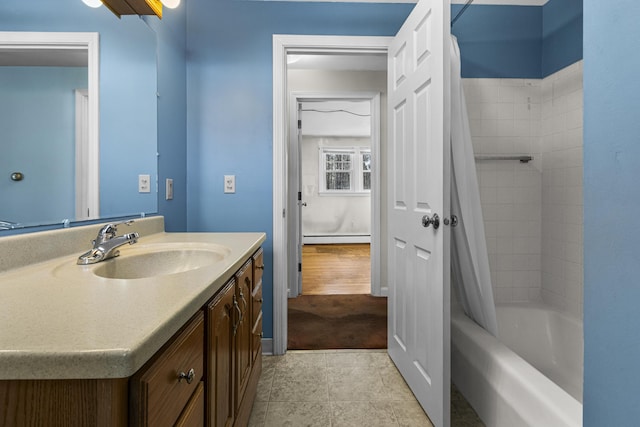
{"x":341,"y":388}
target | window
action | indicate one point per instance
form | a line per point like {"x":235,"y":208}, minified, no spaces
{"x":345,"y":171}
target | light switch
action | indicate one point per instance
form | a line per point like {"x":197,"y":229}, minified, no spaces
{"x":144,"y":183}
{"x":229,"y":183}
{"x":169,"y":189}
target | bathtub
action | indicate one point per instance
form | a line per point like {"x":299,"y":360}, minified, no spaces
{"x":541,"y":385}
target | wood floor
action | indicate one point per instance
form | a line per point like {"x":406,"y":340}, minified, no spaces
{"x":336,"y":269}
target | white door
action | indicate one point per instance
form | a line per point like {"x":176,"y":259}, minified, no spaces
{"x":418,"y":319}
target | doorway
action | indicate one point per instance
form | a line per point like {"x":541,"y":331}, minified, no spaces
{"x":334,"y":175}
{"x":334,"y":200}
{"x":284,"y":45}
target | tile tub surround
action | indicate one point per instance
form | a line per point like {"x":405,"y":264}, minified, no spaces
{"x":60,"y":321}
{"x":342,"y":388}
{"x":532,"y":212}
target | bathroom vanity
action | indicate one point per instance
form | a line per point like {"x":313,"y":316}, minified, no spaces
{"x":173,"y":341}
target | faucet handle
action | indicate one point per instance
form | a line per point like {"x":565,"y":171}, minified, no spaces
{"x":111,"y":228}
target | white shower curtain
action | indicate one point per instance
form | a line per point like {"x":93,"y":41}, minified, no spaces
{"x":470,"y":275}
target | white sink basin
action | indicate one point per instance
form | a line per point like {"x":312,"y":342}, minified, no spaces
{"x":152,"y":260}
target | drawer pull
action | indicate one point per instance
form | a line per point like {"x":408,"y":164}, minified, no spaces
{"x":189,"y":376}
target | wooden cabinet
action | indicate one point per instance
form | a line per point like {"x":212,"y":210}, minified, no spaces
{"x":234,"y":367}
{"x":244,"y":280}
{"x":205,"y":375}
{"x":256,"y":305}
{"x":220,"y":324}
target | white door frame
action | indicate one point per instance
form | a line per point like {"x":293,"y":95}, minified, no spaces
{"x":294,"y":178}
{"x":283,"y":44}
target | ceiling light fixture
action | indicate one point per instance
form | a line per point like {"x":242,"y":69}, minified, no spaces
{"x":93,"y":3}
{"x":171,"y":4}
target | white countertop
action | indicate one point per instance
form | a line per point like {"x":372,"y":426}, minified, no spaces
{"x":58,"y":320}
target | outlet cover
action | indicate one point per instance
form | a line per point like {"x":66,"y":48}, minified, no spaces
{"x":229,"y":183}
{"x":144,"y":183}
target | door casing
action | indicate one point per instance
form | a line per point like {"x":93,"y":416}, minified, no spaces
{"x":373,"y":98}
{"x":282,"y":45}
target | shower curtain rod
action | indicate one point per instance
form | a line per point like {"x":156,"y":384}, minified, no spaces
{"x":453,"y":21}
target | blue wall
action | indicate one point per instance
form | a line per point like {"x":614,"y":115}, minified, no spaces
{"x":37,"y":115}
{"x":519,"y":41}
{"x":611,"y":207}
{"x":499,"y":41}
{"x":229,"y":82}
{"x":171,"y":35}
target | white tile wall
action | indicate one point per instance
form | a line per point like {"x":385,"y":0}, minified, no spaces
{"x":532,"y":212}
{"x":562,"y":206}
{"x":505,"y":117}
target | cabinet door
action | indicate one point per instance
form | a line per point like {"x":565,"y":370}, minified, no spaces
{"x":221,"y":317}
{"x":244,"y":286}
{"x":256,"y":305}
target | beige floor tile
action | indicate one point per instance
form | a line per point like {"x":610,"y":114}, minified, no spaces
{"x":370,"y":359}
{"x":410,"y":414}
{"x":301,"y":359}
{"x":258,"y":414}
{"x":356,"y":384}
{"x":299,"y":385}
{"x":362,"y":414}
{"x":343,"y":388}
{"x":298,"y":414}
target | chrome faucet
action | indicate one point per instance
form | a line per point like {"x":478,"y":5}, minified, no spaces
{"x":106,"y":244}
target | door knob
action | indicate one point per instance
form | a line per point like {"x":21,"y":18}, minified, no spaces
{"x":435,"y":221}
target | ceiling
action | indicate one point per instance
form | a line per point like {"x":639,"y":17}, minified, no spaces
{"x":43,"y":57}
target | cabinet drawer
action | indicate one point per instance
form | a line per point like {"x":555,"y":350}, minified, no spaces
{"x":160,"y":393}
{"x":258,"y":267}
{"x":193,"y":414}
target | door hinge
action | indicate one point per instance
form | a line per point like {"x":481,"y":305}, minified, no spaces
{"x":299,"y":196}
{"x":284,"y":213}
{"x":299,"y":267}
{"x":299,"y":124}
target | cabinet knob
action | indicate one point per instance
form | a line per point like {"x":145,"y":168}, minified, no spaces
{"x":189,"y":376}
{"x":260,"y":267}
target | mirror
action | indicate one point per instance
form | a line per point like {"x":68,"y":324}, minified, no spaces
{"x":46,"y":94}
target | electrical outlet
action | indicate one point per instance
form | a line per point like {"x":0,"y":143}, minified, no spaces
{"x":169,"y":189}
{"x":229,"y":183}
{"x":144,"y":183}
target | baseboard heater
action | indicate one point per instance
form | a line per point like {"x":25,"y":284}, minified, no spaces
{"x":336,"y":239}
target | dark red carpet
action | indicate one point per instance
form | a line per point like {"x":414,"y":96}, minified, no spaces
{"x":318,"y":322}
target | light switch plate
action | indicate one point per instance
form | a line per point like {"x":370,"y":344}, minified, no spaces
{"x":169,"y":189}
{"x":229,"y":183}
{"x":144,"y":183}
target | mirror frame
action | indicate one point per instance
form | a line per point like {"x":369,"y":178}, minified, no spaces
{"x":90,"y":192}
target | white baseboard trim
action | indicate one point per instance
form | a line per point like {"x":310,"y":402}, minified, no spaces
{"x":332,"y":240}
{"x":267,"y":346}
